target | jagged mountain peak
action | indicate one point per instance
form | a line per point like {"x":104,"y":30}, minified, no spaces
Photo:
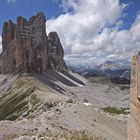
{"x":110,"y":65}
{"x":27,"y":48}
{"x":109,"y":62}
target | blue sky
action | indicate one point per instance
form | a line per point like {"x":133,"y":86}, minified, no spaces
{"x":90,"y":30}
{"x":132,"y":10}
{"x":10,"y":9}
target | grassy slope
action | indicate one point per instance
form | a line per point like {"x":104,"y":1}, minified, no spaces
{"x":16,"y":99}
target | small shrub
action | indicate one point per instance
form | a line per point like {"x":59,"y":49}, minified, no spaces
{"x":34,"y":100}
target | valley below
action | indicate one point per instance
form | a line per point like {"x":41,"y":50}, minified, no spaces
{"x":62,"y":106}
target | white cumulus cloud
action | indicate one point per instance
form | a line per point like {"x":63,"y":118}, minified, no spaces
{"x":89,"y":31}
{"x":11,"y":1}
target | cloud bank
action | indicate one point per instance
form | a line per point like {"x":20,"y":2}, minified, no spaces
{"x":89,"y":31}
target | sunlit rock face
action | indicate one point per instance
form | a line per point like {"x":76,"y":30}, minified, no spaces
{"x":26,"y":47}
{"x":134,"y":115}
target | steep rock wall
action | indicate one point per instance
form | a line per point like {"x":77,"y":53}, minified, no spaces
{"x":26,"y":47}
{"x":134,"y":116}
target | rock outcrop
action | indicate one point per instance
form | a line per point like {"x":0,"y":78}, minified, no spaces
{"x":134,"y":115}
{"x":55,"y":52}
{"x":27,"y":48}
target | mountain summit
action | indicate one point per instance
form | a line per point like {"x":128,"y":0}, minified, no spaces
{"x":110,"y":65}
{"x":27,"y":48}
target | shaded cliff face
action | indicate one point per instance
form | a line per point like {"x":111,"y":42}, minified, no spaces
{"x":55,"y":52}
{"x":26,"y":47}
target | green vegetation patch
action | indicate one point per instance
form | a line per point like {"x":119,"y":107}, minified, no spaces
{"x":114,"y":110}
{"x":13,"y":103}
{"x":15,"y":100}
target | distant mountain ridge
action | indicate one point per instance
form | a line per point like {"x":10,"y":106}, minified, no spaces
{"x":110,"y":65}
{"x":108,"y":69}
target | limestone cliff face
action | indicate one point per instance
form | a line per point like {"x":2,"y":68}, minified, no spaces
{"x":27,"y":48}
{"x":55,"y":52}
{"x":134,"y":116}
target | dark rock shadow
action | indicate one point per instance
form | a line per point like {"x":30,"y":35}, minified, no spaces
{"x":49,"y":81}
{"x":58,"y":77}
{"x":51,"y":77}
{"x":72,"y":77}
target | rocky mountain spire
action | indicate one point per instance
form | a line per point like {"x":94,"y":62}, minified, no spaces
{"x":27,"y":48}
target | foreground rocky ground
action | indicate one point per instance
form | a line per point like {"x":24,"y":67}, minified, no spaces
{"x":62,"y":106}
